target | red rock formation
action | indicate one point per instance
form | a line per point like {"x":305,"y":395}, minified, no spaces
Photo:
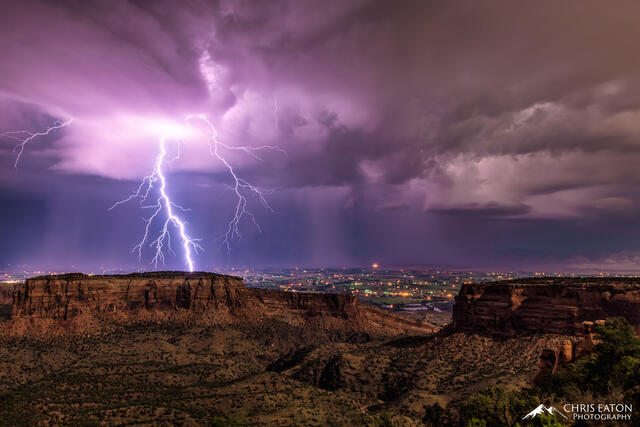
{"x":6,"y":291}
{"x":545,"y":305}
{"x":310,"y":305}
{"x":65,"y":296}
{"x":554,"y":359}
{"x":70,"y":294}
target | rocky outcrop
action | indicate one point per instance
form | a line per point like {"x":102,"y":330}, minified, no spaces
{"x":310,"y":305}
{"x":6,"y":291}
{"x":553,"y":360}
{"x":556,"y":359}
{"x":68,"y":295}
{"x":551,"y":305}
{"x":64,"y":296}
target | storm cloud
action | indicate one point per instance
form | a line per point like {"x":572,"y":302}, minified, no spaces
{"x":439,"y":132}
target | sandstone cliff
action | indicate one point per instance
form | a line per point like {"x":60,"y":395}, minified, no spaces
{"x":555,"y":359}
{"x":6,"y":291}
{"x":546,"y":305}
{"x":65,"y":296}
{"x":314,"y":306}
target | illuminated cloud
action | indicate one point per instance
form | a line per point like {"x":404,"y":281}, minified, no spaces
{"x":428,"y":116}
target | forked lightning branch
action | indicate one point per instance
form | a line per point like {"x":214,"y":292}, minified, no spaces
{"x":153,"y":193}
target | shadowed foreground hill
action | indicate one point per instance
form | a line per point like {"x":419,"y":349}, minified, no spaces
{"x":183,"y":373}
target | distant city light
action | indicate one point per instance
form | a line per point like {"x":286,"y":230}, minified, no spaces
{"x":375,"y":265}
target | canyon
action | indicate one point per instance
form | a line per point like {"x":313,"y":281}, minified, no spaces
{"x":201,"y":348}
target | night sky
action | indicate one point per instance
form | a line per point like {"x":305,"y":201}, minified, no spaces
{"x":473,"y":134}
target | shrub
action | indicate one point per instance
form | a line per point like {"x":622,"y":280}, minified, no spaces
{"x":435,"y":416}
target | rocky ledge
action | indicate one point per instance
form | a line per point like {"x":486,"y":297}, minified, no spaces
{"x":545,"y":305}
{"x":68,"y":295}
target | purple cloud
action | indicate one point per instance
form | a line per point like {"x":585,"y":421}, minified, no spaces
{"x":427,"y":109}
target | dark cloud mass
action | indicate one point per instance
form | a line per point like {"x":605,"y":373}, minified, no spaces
{"x":476,"y":134}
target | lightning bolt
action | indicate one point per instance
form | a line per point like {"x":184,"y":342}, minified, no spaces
{"x":239,"y":184}
{"x":163,"y":208}
{"x":163,"y":202}
{"x":24,"y":137}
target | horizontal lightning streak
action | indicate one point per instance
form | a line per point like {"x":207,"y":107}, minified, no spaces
{"x":25,"y":136}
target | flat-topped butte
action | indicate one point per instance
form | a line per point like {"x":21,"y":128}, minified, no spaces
{"x":545,"y":305}
{"x":563,"y":281}
{"x":136,"y":275}
{"x":224,"y":298}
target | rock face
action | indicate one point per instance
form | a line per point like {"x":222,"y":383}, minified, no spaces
{"x":554,"y":359}
{"x":310,"y":305}
{"x":545,"y":305}
{"x":5,"y":300}
{"x":65,"y":296}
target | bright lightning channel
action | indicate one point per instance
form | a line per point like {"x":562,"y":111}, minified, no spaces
{"x":164,"y":202}
{"x":24,"y":137}
{"x":239,"y":183}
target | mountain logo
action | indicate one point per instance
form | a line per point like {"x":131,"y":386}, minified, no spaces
{"x":541,"y":409}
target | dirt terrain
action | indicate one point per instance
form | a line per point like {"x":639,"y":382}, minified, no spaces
{"x":274,"y":373}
